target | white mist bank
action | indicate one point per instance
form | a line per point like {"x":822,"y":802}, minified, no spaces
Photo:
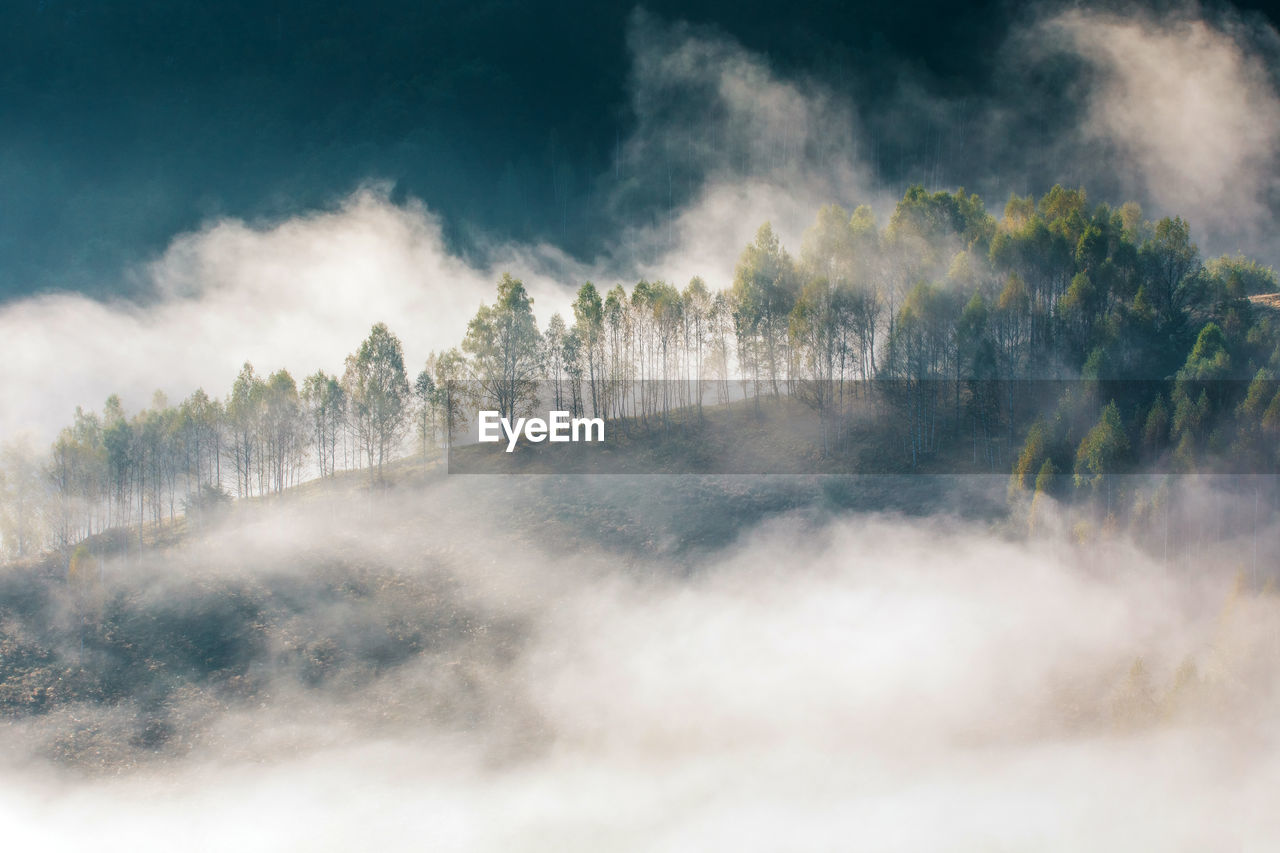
{"x":862,"y":684}
{"x":1180,"y":113}
{"x":299,"y":294}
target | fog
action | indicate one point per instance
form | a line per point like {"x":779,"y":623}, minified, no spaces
{"x":715,"y":125}
{"x":1188,"y":113}
{"x":823,"y":681}
{"x":299,"y":294}
{"x":1178,"y":112}
{"x":669,"y":663}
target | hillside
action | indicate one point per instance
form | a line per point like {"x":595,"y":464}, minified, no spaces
{"x":335,"y":586}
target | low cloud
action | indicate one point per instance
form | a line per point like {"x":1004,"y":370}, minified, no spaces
{"x":723,"y":143}
{"x":903,"y":684}
{"x":748,"y":146}
{"x":1180,"y":113}
{"x":299,"y":294}
{"x":1186,"y":110}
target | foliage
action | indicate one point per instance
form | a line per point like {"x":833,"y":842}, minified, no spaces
{"x":931,"y":335}
{"x":504,"y":345}
{"x":1102,"y":449}
{"x":378,"y":389}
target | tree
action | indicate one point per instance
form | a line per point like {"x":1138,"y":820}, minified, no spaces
{"x":668,"y":319}
{"x":326,"y":406}
{"x":503,"y":342}
{"x":22,"y":500}
{"x":203,"y":418}
{"x":618,"y":332}
{"x":1101,"y":449}
{"x":828,"y":250}
{"x":553,"y":358}
{"x":1171,"y":257}
{"x":1254,"y":444}
{"x":815,"y":331}
{"x":1034,"y":452}
{"x":76,"y":469}
{"x":379,"y":393}
{"x":448,"y":370}
{"x":588,"y":315}
{"x":1208,"y":359}
{"x":921,"y":348}
{"x":697,"y":313}
{"x":424,"y":396}
{"x":117,"y":438}
{"x":1155,"y":429}
{"x":1237,"y":277}
{"x":572,"y":357}
{"x":244,"y":414}
{"x":283,"y":429}
{"x":764,"y":292}
{"x":1044,"y":483}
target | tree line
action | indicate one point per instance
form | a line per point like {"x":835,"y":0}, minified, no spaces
{"x":945,"y":322}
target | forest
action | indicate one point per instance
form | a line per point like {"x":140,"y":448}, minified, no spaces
{"x":1007,"y":562}
{"x":1062,"y":343}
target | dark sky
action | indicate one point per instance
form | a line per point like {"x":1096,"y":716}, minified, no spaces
{"x":125,"y":123}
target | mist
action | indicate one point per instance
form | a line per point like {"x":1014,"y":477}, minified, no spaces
{"x":720,"y":142}
{"x":1188,"y":111}
{"x":297,"y":294}
{"x":680,"y":662}
{"x":879,"y":680}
